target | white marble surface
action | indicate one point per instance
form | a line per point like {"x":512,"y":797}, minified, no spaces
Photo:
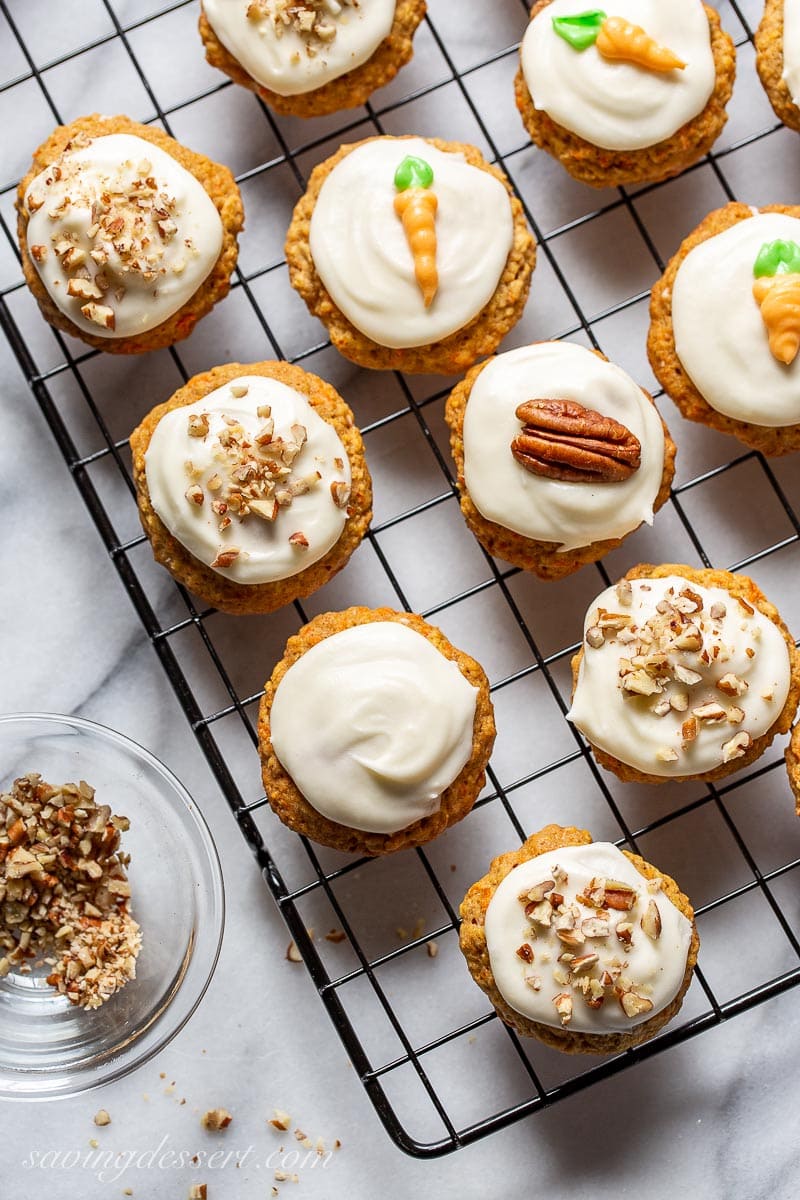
{"x":715,"y":1118}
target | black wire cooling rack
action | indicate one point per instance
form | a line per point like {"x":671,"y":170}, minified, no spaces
{"x":440,"y":1069}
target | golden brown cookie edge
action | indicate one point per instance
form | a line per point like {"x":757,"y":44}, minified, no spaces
{"x":769,"y":64}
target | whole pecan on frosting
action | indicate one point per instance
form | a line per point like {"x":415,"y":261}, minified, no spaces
{"x":563,"y":440}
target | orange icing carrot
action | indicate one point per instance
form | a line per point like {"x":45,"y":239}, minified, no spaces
{"x":619,"y":39}
{"x":779,"y":299}
{"x":416,"y":206}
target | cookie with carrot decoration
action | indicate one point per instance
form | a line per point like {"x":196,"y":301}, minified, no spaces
{"x":725,"y":326}
{"x":630,"y":93}
{"x":382,"y":248}
{"x":415,"y":205}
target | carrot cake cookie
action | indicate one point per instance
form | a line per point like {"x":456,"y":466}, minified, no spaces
{"x":252,"y":485}
{"x":127,"y":237}
{"x":586,"y":947}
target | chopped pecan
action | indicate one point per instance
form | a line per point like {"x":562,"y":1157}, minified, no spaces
{"x":651,"y":921}
{"x":561,"y":439}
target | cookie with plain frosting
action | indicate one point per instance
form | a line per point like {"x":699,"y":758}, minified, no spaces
{"x":374,"y":731}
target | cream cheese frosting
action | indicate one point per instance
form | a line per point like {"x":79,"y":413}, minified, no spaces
{"x":720,"y":336}
{"x":121,"y":234}
{"x":373,"y":723}
{"x":618,"y":105}
{"x":251,"y":480}
{"x":294,"y":49}
{"x":601,"y":967}
{"x":361,"y":254}
{"x":569,"y":514}
{"x":677,"y":679}
{"x":791,"y":48}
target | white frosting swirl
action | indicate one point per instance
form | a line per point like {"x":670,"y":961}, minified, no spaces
{"x":176,"y":461}
{"x":144,"y":270}
{"x":791,"y":48}
{"x":570,"y":514}
{"x":720,"y":335}
{"x":363,"y":259}
{"x":653,"y":968}
{"x":619,"y":105}
{"x":373,"y":723}
{"x":277,"y":55}
{"x":747,"y":675}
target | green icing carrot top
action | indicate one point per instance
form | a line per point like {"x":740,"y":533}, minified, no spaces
{"x":413,"y":172}
{"x":777,"y":258}
{"x":415,"y":205}
{"x":581,"y":30}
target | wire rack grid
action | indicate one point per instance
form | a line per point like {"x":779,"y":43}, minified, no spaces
{"x":440,"y":1069}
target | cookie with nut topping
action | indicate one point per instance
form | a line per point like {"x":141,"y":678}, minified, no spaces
{"x":684,"y":673}
{"x":559,"y":456}
{"x":374,"y":731}
{"x":127,"y":237}
{"x":584,"y":946}
{"x":310,"y":59}
{"x":252,"y":485}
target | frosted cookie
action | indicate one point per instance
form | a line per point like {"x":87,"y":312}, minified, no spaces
{"x":632,"y":93}
{"x":793,"y":765}
{"x":374,"y":731}
{"x":127,"y":237}
{"x":252,"y":485}
{"x":309,"y":59}
{"x":725,"y":326}
{"x":586,"y":947}
{"x":778,"y":58}
{"x":683,"y":674}
{"x":559,"y":456}
{"x":413,"y":252}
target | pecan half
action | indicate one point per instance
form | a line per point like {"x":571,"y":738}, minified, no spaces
{"x":561,"y":439}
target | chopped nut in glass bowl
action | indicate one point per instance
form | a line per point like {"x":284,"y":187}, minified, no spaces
{"x":128,"y":910}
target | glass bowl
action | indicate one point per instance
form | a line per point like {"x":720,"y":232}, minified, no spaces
{"x":49,"y":1047}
